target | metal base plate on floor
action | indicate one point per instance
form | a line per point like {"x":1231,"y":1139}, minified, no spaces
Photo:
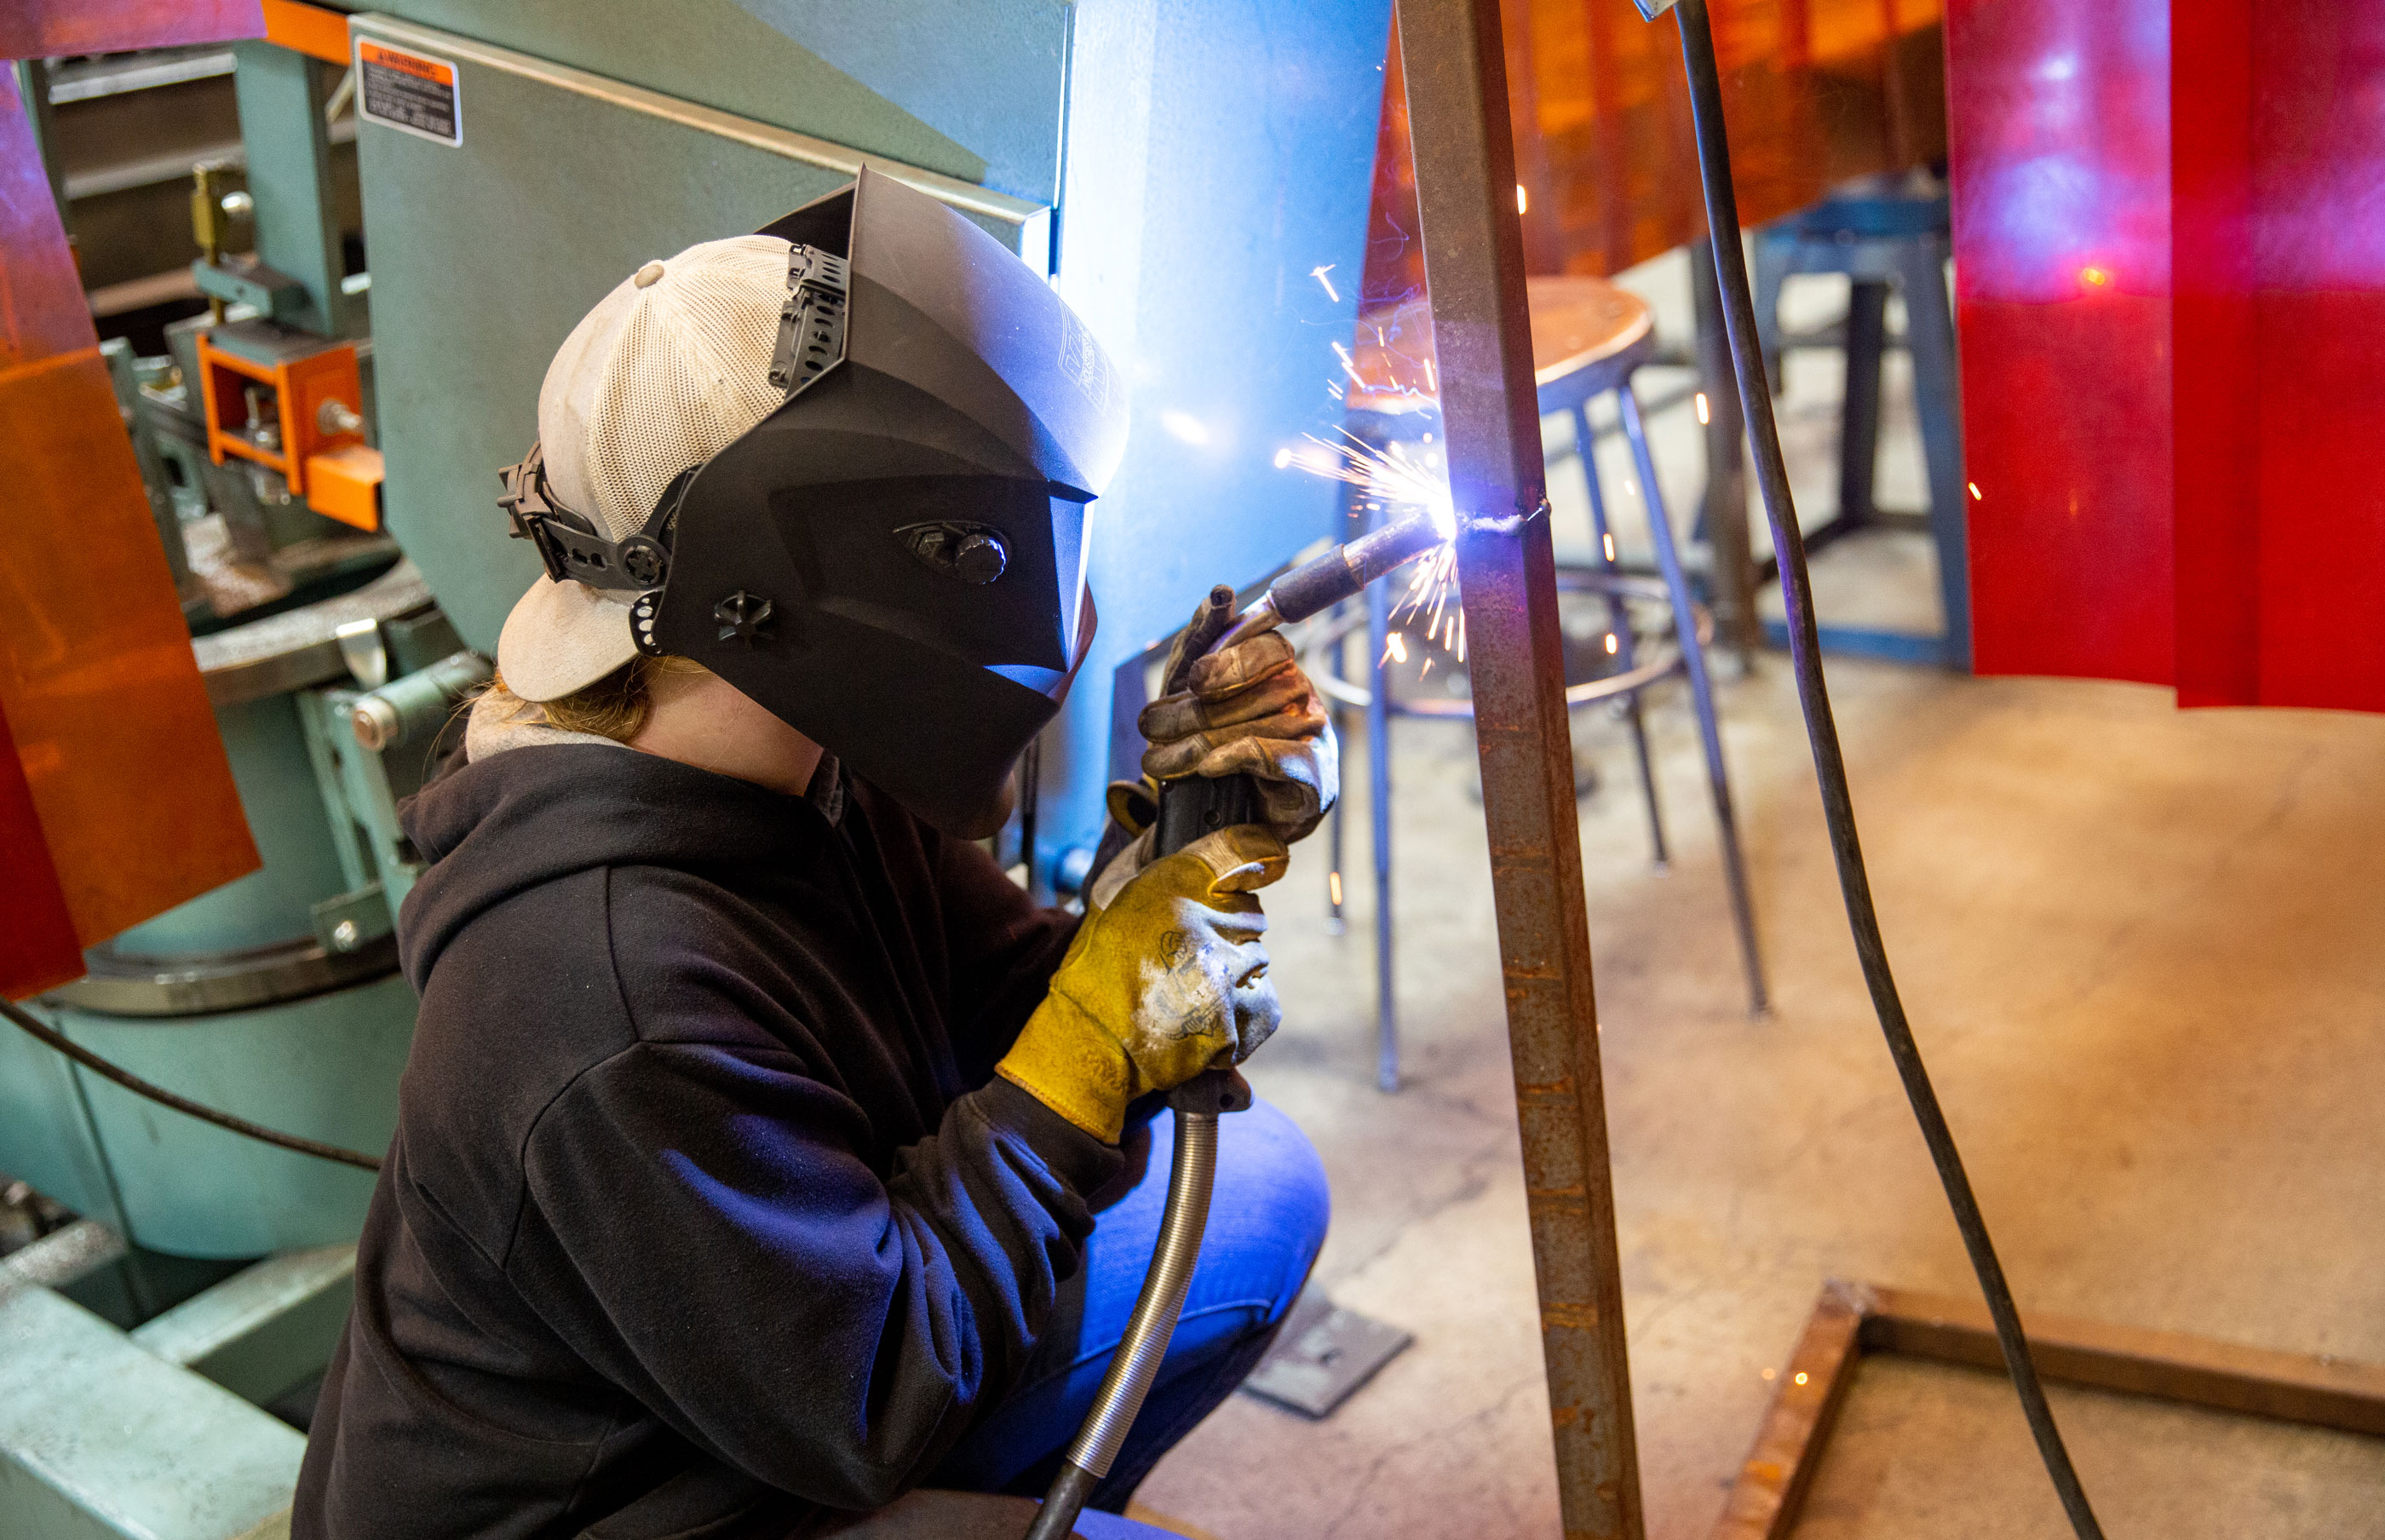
{"x":1322,"y":1356}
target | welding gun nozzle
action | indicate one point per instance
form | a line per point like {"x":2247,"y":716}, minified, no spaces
{"x":1344,"y":570}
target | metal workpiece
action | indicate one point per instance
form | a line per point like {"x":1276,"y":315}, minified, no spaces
{"x":1456,"y":70}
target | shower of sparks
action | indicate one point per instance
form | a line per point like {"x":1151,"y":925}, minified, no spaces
{"x":1318,"y":275}
{"x":1610,"y":644}
{"x":1349,"y":365}
{"x":1334,"y":881}
{"x":1705,"y":413}
{"x":1976,"y":495}
{"x":1393,"y":479}
{"x":1523,"y":202}
{"x":1395,"y":482}
{"x":1606,"y":540}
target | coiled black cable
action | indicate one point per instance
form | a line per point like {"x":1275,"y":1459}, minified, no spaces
{"x":43,"y":1033}
{"x":1830,"y":763}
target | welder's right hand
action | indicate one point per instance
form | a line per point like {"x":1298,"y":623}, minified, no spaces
{"x":1168,"y":980}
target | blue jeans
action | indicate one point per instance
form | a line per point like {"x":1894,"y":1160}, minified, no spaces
{"x":1265,"y":1224}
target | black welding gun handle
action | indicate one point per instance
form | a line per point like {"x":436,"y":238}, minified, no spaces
{"x":1189,"y":809}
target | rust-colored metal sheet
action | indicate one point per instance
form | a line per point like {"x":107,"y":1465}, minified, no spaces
{"x":51,"y":29}
{"x":1816,"y":91}
{"x":111,"y":731}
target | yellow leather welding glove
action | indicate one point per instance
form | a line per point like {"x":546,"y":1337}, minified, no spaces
{"x":1165,"y":982}
{"x":1250,"y":711}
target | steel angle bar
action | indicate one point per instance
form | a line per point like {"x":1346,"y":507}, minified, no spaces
{"x":1851,"y":1320}
{"x":1474,"y":267}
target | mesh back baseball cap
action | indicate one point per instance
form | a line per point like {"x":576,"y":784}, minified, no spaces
{"x":667,"y":370}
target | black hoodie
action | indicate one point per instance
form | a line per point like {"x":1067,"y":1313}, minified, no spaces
{"x":704,"y":1213}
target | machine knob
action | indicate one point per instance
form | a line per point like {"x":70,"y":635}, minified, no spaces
{"x":376,"y":724}
{"x":980,"y":558}
{"x":336,"y":416}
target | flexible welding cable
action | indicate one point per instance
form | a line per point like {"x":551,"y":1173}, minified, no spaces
{"x":1829,"y":762}
{"x":1189,"y":809}
{"x":163,"y":1097}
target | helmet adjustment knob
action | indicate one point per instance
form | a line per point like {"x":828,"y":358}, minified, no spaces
{"x":974,"y":553}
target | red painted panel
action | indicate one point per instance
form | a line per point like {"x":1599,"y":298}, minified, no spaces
{"x":2216,"y":359}
{"x":2059,"y":149}
{"x":2318,"y":136}
{"x":2174,"y":341}
{"x":52,"y":29}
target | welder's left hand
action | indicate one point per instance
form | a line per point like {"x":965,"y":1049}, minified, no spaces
{"x":1250,"y":711}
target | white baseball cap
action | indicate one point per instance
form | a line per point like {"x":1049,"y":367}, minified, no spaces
{"x":665,"y":371}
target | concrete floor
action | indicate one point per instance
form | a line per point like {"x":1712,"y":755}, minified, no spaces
{"x":2144,"y":951}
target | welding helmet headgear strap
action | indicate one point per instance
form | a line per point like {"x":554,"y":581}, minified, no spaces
{"x":566,"y":541}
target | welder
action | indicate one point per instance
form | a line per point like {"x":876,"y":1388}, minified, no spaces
{"x":764,"y":1153}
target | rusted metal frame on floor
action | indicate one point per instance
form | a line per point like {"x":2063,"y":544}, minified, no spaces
{"x":1474,"y":270}
{"x":1850,"y":1319}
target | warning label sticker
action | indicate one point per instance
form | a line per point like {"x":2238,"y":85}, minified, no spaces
{"x":407,"y":91}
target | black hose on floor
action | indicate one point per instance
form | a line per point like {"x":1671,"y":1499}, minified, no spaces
{"x":1830,"y":763}
{"x":163,"y":1097}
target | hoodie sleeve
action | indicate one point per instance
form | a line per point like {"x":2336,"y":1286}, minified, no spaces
{"x":1004,"y":949}
{"x":702,"y":1231}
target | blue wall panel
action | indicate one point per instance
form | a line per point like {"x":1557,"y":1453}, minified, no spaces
{"x":1216,"y":154}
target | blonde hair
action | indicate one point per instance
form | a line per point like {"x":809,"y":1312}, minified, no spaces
{"x":615,"y":706}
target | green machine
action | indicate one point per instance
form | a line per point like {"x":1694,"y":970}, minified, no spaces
{"x":206,"y":1277}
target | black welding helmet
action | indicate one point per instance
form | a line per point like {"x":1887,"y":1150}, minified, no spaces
{"x":892,"y":559}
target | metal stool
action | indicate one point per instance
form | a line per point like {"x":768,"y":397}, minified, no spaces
{"x":1588,"y":339}
{"x":1879,"y":232}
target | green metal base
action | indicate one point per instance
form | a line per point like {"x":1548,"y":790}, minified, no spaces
{"x":106,"y":1434}
{"x":325,"y":1068}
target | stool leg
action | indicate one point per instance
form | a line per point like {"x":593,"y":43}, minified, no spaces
{"x":1694,"y":658}
{"x":1379,"y":809}
{"x":1859,"y":410}
{"x":1725,"y":504}
{"x":1618,"y":617}
{"x":1776,"y":253}
{"x":1337,"y":661}
{"x":1938,"y":395}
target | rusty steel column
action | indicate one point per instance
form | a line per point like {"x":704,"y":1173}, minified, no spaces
{"x":1474,"y":266}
